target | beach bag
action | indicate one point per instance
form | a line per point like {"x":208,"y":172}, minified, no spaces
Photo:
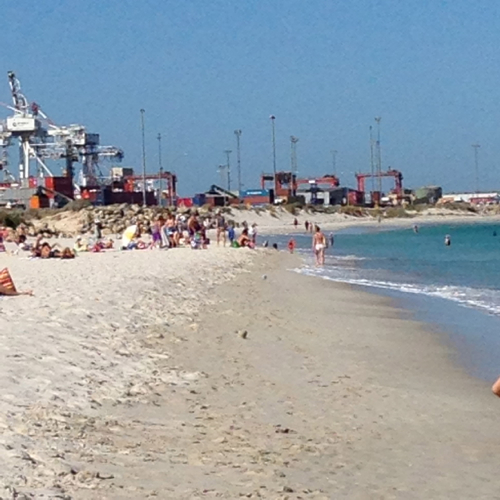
{"x":6,"y":280}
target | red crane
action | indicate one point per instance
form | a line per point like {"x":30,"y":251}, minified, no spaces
{"x":327,"y":180}
{"x":398,"y":180}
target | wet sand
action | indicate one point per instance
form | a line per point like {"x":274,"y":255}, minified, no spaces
{"x":285,"y":387}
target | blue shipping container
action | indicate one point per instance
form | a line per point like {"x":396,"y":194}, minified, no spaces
{"x":255,"y":192}
{"x":199,"y":199}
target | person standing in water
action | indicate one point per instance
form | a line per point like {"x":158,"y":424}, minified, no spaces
{"x":331,"y":240}
{"x":447,"y":240}
{"x":319,"y":245}
{"x":291,"y":245}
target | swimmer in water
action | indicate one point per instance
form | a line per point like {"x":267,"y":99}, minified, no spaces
{"x":447,"y":240}
{"x":415,"y":229}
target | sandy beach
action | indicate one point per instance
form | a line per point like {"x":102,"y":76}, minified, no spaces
{"x":186,"y":374}
{"x":282,"y":222}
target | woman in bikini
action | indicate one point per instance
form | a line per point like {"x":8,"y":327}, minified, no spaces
{"x":319,"y":245}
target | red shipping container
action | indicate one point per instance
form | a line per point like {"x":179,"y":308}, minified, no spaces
{"x":185,"y":202}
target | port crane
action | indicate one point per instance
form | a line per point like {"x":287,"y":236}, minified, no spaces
{"x":40,"y":139}
{"x":398,"y":182}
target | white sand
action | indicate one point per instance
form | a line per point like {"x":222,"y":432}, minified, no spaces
{"x":89,"y":338}
{"x":280,"y":221}
{"x":127,"y":377}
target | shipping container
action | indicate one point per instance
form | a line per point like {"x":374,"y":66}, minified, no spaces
{"x":62,"y":185}
{"x":134,"y":198}
{"x":199,"y":199}
{"x":256,"y":200}
{"x":255,"y":192}
{"x":39,"y":202}
{"x":355,"y":198}
{"x":185,"y":202}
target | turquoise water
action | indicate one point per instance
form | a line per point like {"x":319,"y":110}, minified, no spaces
{"x":466,"y":272}
{"x":455,"y":287}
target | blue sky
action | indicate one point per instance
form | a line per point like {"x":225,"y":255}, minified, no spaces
{"x":324,"y":68}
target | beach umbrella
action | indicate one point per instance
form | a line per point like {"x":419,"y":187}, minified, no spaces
{"x":128,"y":235}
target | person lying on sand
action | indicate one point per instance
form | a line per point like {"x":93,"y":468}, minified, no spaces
{"x":9,"y":291}
{"x":22,"y":243}
{"x":45,"y":251}
{"x":80,"y":246}
{"x":2,"y":246}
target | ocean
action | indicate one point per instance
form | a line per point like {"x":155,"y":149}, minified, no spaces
{"x":456,"y":287}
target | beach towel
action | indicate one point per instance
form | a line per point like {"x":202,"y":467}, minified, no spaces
{"x":6,"y":280}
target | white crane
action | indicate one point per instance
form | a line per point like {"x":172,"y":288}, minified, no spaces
{"x":40,"y":139}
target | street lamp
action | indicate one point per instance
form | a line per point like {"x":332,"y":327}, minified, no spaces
{"x":143,"y":160}
{"x":228,"y":152}
{"x":334,"y":160}
{"x":273,"y":118}
{"x":237,"y":133}
{"x":476,"y":164}
{"x":160,"y":183}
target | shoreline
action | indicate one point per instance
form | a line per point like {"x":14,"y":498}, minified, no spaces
{"x":395,"y":223}
{"x":333,"y":391}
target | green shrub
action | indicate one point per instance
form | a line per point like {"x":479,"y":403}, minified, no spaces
{"x":11,"y":218}
{"x":76,"y":205}
{"x":396,"y":212}
{"x":353,"y":211}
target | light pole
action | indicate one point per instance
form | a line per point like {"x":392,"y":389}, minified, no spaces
{"x":334,"y":161}
{"x":237,"y":133}
{"x":379,"y":157}
{"x":143,"y":160}
{"x":476,"y":163}
{"x":372,"y":160}
{"x":273,"y":118}
{"x":293,"y":154}
{"x":228,"y":152}
{"x":160,"y":184}
{"x":221,"y":169}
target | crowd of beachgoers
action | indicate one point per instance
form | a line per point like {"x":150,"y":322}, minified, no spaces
{"x":169,"y":231}
{"x":164,"y":232}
